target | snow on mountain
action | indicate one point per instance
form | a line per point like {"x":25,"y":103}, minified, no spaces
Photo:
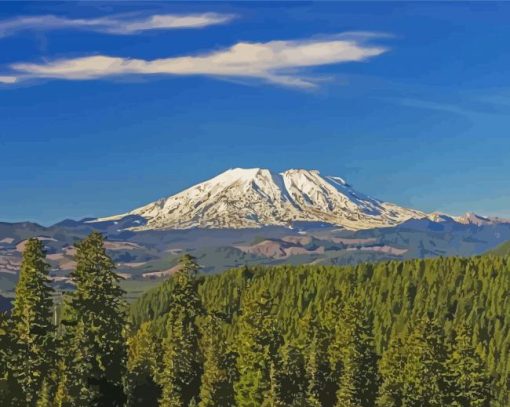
{"x":251,"y":198}
{"x":471,"y":218}
{"x":440,"y":217}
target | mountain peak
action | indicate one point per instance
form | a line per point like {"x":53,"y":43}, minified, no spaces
{"x":246,"y":173}
{"x":256,"y":197}
{"x":301,"y":171}
{"x":238,"y":174}
{"x":471,"y":218}
{"x":242,"y":172}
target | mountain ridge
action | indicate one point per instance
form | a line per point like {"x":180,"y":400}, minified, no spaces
{"x":246,"y":198}
{"x":255,"y":216}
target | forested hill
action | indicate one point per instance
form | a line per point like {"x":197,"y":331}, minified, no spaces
{"x":419,"y":333}
{"x":395,"y":295}
{"x":501,"y":250}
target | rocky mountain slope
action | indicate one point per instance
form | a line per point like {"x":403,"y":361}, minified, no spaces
{"x":252,"y":198}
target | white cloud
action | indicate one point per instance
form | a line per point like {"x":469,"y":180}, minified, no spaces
{"x":279,"y":62}
{"x":126,"y":24}
{"x":7,"y":79}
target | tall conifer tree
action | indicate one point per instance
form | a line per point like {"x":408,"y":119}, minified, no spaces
{"x":391,"y":369}
{"x":182,"y":363}
{"x":469,"y":383}
{"x":95,"y":322}
{"x":292,"y":376}
{"x":9,"y":387}
{"x":143,"y":368}
{"x":33,"y":331}
{"x":424,"y":372}
{"x":358,"y":382}
{"x":258,"y":343}
{"x":321,"y":383}
{"x":275,"y":397}
{"x":217,"y":380}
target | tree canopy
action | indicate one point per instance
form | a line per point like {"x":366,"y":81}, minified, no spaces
{"x":391,"y":334}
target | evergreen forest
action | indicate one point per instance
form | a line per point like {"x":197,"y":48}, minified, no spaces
{"x":413,"y":333}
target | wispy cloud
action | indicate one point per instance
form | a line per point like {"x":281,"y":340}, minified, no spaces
{"x":431,"y":105}
{"x":281,"y":62}
{"x":121,"y":25}
{"x":7,"y":79}
{"x":468,"y":105}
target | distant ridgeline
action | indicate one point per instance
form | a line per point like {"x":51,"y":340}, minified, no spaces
{"x":468,"y":298}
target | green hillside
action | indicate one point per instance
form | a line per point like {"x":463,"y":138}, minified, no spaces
{"x":396,"y":295}
{"x":501,"y":250}
{"x":429,"y":332}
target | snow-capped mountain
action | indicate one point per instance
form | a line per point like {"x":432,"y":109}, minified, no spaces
{"x":251,"y":198}
{"x":471,"y":218}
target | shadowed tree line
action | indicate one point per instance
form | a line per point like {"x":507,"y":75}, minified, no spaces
{"x":415,"y":333}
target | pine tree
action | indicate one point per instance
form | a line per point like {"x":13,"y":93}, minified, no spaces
{"x":185,"y":290}
{"x":44,"y":398}
{"x":9,"y":387}
{"x":359,"y":380}
{"x":327,"y":325}
{"x":95,"y":320}
{"x":291,"y":376}
{"x":424,"y":372}
{"x":216,"y":388}
{"x":275,"y":395}
{"x":76,"y":386}
{"x":143,"y":368}
{"x":33,"y":331}
{"x":469,"y":383}
{"x":182,"y":364}
{"x":257,"y":348}
{"x":313,"y":375}
{"x":180,"y":379}
{"x":321,"y":385}
{"x":391,"y":369}
{"x":62,"y":397}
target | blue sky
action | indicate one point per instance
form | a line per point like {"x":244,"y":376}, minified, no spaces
{"x":105,"y":107}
